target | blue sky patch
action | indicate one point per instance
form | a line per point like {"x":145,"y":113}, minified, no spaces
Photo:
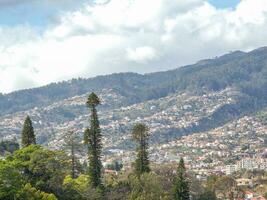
{"x":224,"y":3}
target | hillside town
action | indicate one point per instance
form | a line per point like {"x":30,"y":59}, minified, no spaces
{"x":167,"y":119}
{"x":224,"y":150}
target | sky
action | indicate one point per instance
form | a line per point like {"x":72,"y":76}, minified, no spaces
{"x":44,"y":41}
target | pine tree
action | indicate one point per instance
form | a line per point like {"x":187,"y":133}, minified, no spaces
{"x":72,"y":144}
{"x":181,"y":186}
{"x":141,"y":135}
{"x":27,"y":135}
{"x":92,"y":137}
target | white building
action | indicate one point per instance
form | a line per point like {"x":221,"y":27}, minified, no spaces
{"x":229,"y":169}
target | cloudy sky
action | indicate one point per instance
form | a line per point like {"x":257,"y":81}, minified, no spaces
{"x":43,"y":41}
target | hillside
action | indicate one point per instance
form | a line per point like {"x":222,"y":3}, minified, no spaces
{"x":187,"y":100}
{"x":247,"y":71}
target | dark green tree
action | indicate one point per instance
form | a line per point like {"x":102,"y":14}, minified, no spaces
{"x":8,"y":147}
{"x":140,"y":134}
{"x":27,"y":135}
{"x":92,"y":138}
{"x":181,"y":185}
{"x":207,"y":195}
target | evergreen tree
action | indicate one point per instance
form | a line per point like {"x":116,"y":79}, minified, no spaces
{"x":27,"y":135}
{"x":141,"y":135}
{"x":72,"y":144}
{"x":92,"y":137}
{"x":181,"y":186}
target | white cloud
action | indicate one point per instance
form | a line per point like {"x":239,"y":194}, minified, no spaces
{"x":127,"y":35}
{"x":141,"y":54}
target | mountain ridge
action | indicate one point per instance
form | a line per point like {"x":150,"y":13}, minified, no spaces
{"x":142,"y":87}
{"x":192,"y":99}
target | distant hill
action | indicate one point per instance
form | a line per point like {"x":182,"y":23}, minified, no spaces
{"x":246,"y":71}
{"x":234,"y":84}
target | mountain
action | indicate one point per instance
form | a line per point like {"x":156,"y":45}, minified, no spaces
{"x":190,"y":99}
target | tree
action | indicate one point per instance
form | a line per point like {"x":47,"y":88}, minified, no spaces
{"x":226,"y":186}
{"x":10,"y":180}
{"x":31,"y":193}
{"x":43,"y":169}
{"x":115,"y":165}
{"x":147,"y":186}
{"x":181,"y":186}
{"x":208,"y":195}
{"x":47,"y":170}
{"x":140,"y":134}
{"x":92,"y":138}
{"x":211,"y":181}
{"x":71,"y":143}
{"x":8,"y":147}
{"x":27,"y":135}
{"x":79,"y":188}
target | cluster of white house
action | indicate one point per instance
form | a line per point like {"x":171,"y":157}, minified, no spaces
{"x":248,"y":164}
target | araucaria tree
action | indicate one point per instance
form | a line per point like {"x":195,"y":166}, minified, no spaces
{"x":140,"y":135}
{"x":72,"y":144}
{"x":181,"y":185}
{"x":92,"y":138}
{"x":27,"y":134}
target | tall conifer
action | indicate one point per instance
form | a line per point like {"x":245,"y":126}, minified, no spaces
{"x":92,"y":137}
{"x":181,"y":185}
{"x":141,"y":135}
{"x":27,"y":134}
{"x":72,"y":144}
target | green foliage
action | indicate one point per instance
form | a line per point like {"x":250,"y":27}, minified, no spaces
{"x":80,"y":188}
{"x":208,"y":160}
{"x":140,"y":134}
{"x":181,"y":185}
{"x":73,"y":146}
{"x":147,"y":186}
{"x":42,"y":168}
{"x":10,"y":180}
{"x":31,"y":193}
{"x":115,"y":165}
{"x":27,"y":134}
{"x":93,"y":138}
{"x":208,"y":195}
{"x":117,"y":186}
{"x":80,"y":184}
{"x":22,"y":157}
{"x":211,"y":181}
{"x":47,"y":169}
{"x":92,"y":100}
{"x":225,"y":185}
{"x":8,"y":147}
